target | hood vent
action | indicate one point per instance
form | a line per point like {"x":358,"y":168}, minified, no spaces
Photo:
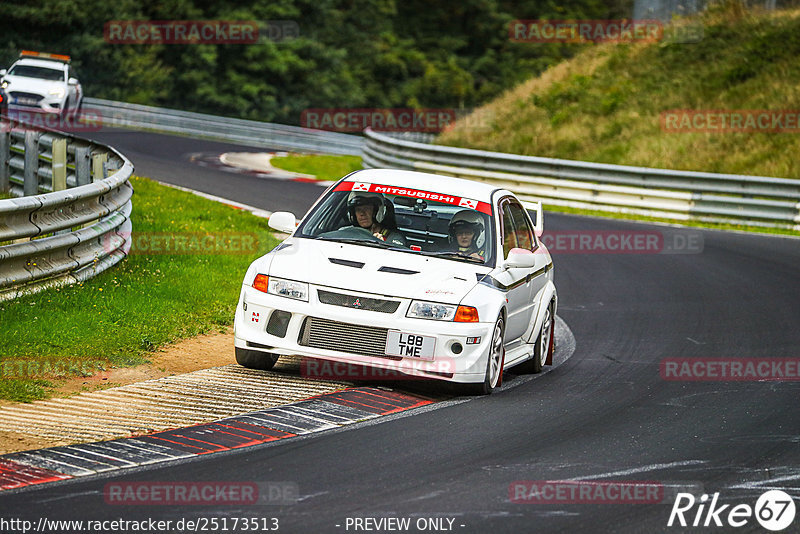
{"x":346,"y":263}
{"x":396,"y":270}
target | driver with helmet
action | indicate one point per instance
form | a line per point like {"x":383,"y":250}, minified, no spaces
{"x":467,"y":235}
{"x":370,"y":212}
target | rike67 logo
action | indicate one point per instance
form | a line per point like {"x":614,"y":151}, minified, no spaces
{"x":774,"y":510}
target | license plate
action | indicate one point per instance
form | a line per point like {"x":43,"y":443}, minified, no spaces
{"x":26,"y":101}
{"x":410,"y":345}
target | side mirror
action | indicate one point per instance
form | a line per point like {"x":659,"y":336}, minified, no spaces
{"x":3,"y":72}
{"x":73,"y":81}
{"x":283,"y":221}
{"x":520,"y":258}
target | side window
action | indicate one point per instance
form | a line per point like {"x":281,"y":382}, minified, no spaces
{"x":523,"y":229}
{"x":509,"y":233}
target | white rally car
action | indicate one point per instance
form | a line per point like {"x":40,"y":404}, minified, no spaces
{"x":425,"y":275}
{"x":42,"y":83}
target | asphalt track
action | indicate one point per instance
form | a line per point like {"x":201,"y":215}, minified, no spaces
{"x":605,"y":414}
{"x":168,"y":159}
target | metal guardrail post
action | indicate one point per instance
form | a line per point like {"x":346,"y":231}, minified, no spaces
{"x":59,"y":164}
{"x":67,"y":235}
{"x":99,"y":167}
{"x":31,"y":174}
{"x":83,"y":173}
{"x":5,"y":143}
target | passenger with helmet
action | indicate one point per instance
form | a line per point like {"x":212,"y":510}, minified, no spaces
{"x":373,"y":212}
{"x":467,"y":234}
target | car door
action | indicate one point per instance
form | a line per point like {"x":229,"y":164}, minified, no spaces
{"x":526,"y":238}
{"x":516,"y":233}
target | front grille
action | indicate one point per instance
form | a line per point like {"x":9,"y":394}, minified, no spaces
{"x":33,"y":97}
{"x":358,"y":303}
{"x":344,"y":337}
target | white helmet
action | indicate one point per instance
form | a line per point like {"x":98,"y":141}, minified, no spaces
{"x":468,"y":219}
{"x":363,"y":198}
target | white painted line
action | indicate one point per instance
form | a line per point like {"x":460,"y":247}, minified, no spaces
{"x":761,"y":484}
{"x":643,"y":469}
{"x":258,"y":212}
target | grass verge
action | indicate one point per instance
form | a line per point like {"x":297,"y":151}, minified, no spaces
{"x":323,"y":167}
{"x":611,"y":102}
{"x":182,"y":279}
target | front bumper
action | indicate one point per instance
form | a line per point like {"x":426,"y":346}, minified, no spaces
{"x":357,"y":336}
{"x":44,"y":105}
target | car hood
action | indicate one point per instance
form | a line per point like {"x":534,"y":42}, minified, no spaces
{"x":32,"y":85}
{"x":373,"y":270}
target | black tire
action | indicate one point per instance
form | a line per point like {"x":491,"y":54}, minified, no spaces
{"x":494,"y":364}
{"x":254,"y":359}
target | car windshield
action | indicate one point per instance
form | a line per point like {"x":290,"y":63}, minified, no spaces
{"x":408,"y":220}
{"x":43,"y":73}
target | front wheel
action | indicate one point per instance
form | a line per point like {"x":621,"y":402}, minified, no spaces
{"x":494,"y":363}
{"x":254,"y":359}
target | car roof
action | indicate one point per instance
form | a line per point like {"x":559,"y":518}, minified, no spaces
{"x":50,"y":64}
{"x":426,"y":182}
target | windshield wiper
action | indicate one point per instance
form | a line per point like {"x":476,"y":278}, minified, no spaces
{"x":454,"y":254}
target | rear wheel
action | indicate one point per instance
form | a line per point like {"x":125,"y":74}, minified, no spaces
{"x":541,"y":348}
{"x":254,"y":359}
{"x":494,"y":364}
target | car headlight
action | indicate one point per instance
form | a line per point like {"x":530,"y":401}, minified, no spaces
{"x":421,"y":309}
{"x":281,"y":287}
{"x":58,"y":92}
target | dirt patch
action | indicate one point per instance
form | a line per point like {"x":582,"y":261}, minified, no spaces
{"x":201,"y":352}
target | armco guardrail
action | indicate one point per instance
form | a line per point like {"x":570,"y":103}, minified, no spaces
{"x":683,"y":195}
{"x":74,"y":220}
{"x":246,"y":132}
